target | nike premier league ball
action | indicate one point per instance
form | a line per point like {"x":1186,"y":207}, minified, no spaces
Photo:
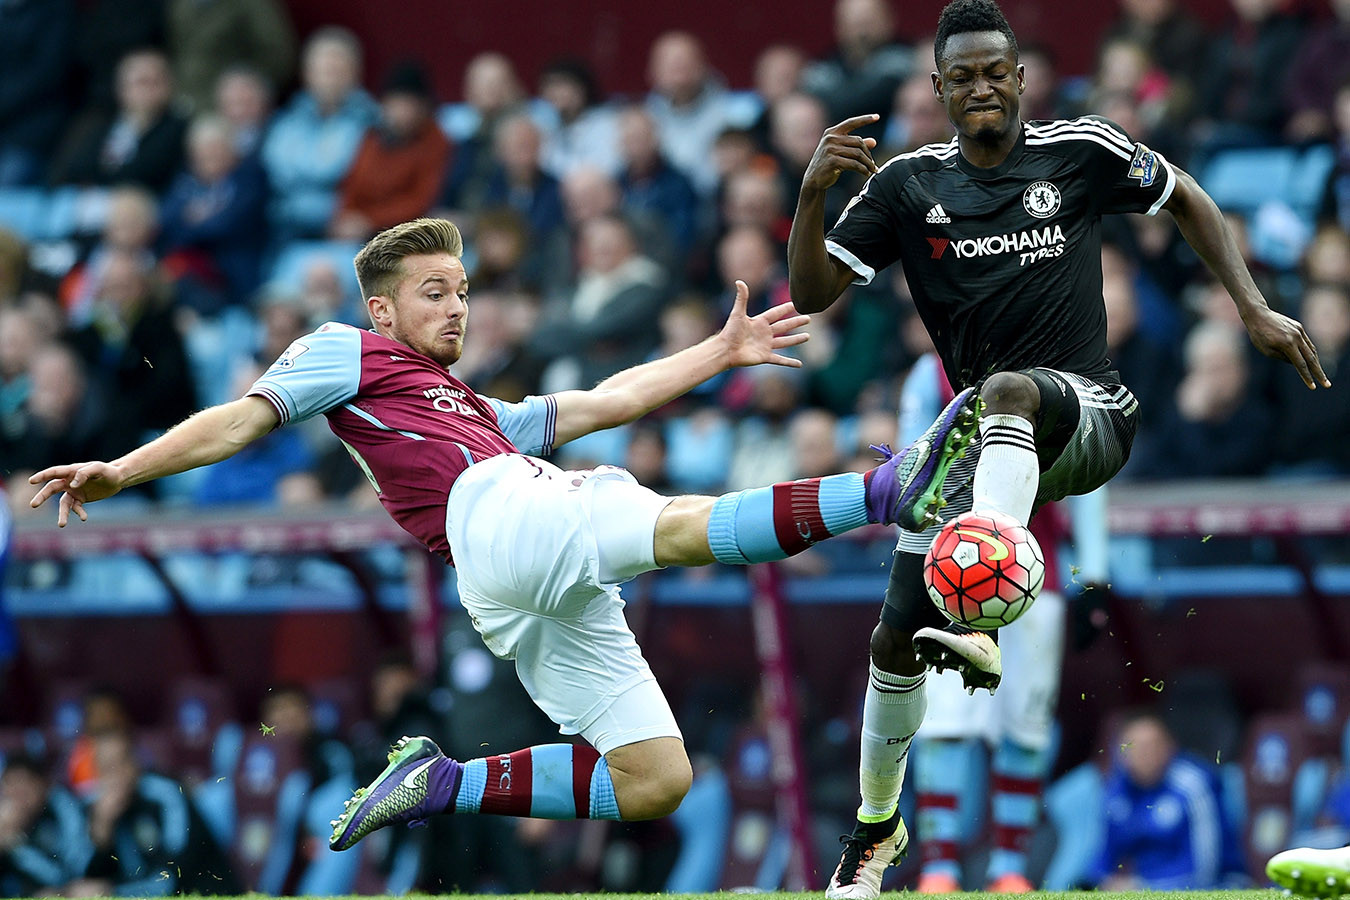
{"x":984,"y":570}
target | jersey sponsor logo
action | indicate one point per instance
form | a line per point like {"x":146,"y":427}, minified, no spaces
{"x":938,"y":216}
{"x":448,"y":399}
{"x":293,"y":352}
{"x":1033,"y":245}
{"x":1000,"y":548}
{"x":1041,"y":199}
{"x":1144,"y":166}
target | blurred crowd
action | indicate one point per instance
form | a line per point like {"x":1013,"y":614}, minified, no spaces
{"x":182,"y":187}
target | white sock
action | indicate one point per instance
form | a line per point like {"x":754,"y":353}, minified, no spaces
{"x":1007,"y":475}
{"x":892,"y":714}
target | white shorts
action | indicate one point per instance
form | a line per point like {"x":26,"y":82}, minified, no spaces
{"x":1023,"y":710}
{"x":539,"y":555}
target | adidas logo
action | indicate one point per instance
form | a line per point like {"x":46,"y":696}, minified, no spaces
{"x":938,"y":216}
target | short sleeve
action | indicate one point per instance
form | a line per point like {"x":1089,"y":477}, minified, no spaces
{"x":529,"y":424}
{"x":866,"y":238}
{"x":315,"y":374}
{"x":1129,"y":177}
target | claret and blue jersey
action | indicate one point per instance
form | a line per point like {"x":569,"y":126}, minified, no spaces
{"x":408,"y":423}
{"x":1005,"y":263}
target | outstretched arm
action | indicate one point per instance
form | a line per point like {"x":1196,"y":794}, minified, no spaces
{"x":1277,"y":336}
{"x":815,"y":278}
{"x":207,"y":437}
{"x":632,"y":393}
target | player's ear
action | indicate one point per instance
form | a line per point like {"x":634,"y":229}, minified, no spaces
{"x":937,"y":85}
{"x":380,"y":309}
{"x":1021,"y":78}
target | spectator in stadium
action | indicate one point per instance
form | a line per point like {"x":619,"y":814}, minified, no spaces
{"x":756,"y":198}
{"x":867,"y":65}
{"x":131,"y":224}
{"x":106,"y":31}
{"x":517,"y":180}
{"x":1042,"y":98}
{"x":1312,"y":433}
{"x":1148,"y":365}
{"x":312,"y":142}
{"x":610,"y":321}
{"x":1317,"y":71}
{"x":587,"y":194}
{"x":762,"y":445}
{"x":915,"y":119}
{"x":584,"y":130}
{"x":503,"y":240}
{"x":141,"y":142}
{"x":60,"y":413}
{"x":43,"y":842}
{"x":1326,"y":259}
{"x":1335,"y":207}
{"x":213,"y":222}
{"x":208,"y":37}
{"x":246,"y":99}
{"x":1171,"y":36}
{"x":748,"y":253}
{"x":35,"y":39}
{"x":492,"y":92}
{"x":1241,"y":87}
{"x":795,"y":124}
{"x":1165,"y":828}
{"x":778,"y":73}
{"x":690,"y":104}
{"x":1127,"y":74}
{"x":645,"y":457}
{"x":147,"y":837}
{"x":654,"y":190}
{"x":289,"y":711}
{"x":134,"y":351}
{"x":399,"y":168}
{"x":1215,"y":426}
{"x":19,"y":342}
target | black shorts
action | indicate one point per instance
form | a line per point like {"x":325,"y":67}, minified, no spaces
{"x":1083,"y":431}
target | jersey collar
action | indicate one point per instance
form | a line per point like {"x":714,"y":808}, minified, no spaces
{"x":1002,"y":168}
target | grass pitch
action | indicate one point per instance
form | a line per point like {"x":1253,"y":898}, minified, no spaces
{"x":1266,"y":894}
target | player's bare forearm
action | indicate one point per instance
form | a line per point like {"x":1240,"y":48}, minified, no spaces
{"x":815,"y":278}
{"x":632,"y":393}
{"x":208,"y":437}
{"x":1202,"y":225}
{"x":1273,"y":333}
{"x":205,"y":438}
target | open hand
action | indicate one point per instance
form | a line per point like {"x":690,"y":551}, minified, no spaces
{"x":841,"y":151}
{"x":1281,"y":337}
{"x":753,"y":340}
{"x":78,"y":484}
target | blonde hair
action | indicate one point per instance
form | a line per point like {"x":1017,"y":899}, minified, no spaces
{"x":379,"y":265}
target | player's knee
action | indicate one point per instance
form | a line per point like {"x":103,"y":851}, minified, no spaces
{"x":1011,"y":393}
{"x":651,"y":778}
{"x":891,"y":648}
{"x":658,"y":794}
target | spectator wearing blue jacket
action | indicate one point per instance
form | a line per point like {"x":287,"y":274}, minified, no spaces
{"x":43,"y":844}
{"x":215,"y":212}
{"x":1165,"y":828}
{"x":313,"y":141}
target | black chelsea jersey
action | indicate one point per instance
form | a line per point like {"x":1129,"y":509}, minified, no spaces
{"x":1005,"y":263}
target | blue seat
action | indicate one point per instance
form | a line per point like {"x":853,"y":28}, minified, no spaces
{"x":24,"y":212}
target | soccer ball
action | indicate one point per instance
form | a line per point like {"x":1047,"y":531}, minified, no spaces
{"x":984,"y":570}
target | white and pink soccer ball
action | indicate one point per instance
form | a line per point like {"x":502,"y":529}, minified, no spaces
{"x":984,"y":570}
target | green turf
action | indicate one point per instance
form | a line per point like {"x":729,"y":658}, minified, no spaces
{"x":1267,"y":894}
